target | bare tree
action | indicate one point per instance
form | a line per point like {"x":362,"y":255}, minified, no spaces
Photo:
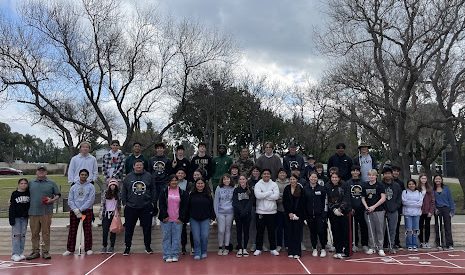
{"x":88,"y":68}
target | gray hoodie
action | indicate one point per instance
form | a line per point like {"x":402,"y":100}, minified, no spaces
{"x":223,"y":200}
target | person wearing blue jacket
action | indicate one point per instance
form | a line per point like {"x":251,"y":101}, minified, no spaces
{"x":80,"y":201}
{"x":445,"y":209}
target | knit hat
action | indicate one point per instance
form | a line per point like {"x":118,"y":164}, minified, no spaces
{"x":114,"y":182}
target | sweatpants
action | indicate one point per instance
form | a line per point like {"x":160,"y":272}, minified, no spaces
{"x":391,"y":218}
{"x":73,"y":228}
{"x":131,"y":216}
{"x":224,"y":229}
{"x":317,"y":227}
{"x":294,"y":239}
{"x":265,"y":221}
{"x":375,"y":220}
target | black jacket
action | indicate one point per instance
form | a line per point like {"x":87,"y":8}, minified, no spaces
{"x":344,"y":163}
{"x":160,"y":168}
{"x":315,"y":200}
{"x":163,"y":205}
{"x":200,"y":206}
{"x":138,"y":191}
{"x":19,"y":205}
{"x":293,"y":204}
{"x":356,"y":193}
{"x":339,"y":197}
{"x":290,"y":161}
{"x":242,"y":202}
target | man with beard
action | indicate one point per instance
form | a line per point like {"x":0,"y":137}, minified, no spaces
{"x":221,"y":165}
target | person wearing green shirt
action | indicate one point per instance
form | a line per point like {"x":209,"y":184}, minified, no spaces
{"x":221,"y":165}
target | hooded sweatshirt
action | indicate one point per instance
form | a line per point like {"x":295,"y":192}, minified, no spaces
{"x":266,"y":193}
{"x":81,"y":196}
{"x":412,"y":201}
{"x":393,"y":196}
{"x":242,"y":202}
{"x":281,"y":186}
{"x":356,"y":193}
{"x":159,"y":167}
{"x":138,"y":191}
{"x":19,"y":205}
{"x":223,"y":200}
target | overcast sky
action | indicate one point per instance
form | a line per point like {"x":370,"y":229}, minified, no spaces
{"x":275,"y":38}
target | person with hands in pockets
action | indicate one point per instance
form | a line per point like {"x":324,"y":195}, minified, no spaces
{"x":80,"y":201}
{"x":266,"y":193}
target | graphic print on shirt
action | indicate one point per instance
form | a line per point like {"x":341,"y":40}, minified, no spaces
{"x":242,"y":196}
{"x":356,"y":191}
{"x":139,"y":188}
{"x":370,"y":192}
{"x":159,"y":167}
{"x":389,"y":193}
{"x":22,"y":199}
{"x":293,"y":164}
{"x":81,"y":192}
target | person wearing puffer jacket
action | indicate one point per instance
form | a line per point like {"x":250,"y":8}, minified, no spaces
{"x":412,"y":200}
{"x":267,"y":193}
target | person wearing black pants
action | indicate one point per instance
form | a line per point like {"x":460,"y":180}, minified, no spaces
{"x":395,"y":175}
{"x":315,"y":201}
{"x":358,"y":210}
{"x":139,"y":199}
{"x":242,"y":204}
{"x":294,"y":208}
{"x":339,"y":207}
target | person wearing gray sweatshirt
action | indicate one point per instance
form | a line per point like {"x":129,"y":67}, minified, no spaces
{"x":224,"y":213}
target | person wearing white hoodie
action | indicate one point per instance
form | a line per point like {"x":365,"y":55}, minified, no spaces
{"x":266,"y":193}
{"x":412,"y":200}
{"x":113,"y":162}
{"x":83,"y":160}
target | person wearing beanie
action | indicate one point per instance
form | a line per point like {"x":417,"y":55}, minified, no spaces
{"x":221,"y":165}
{"x":109,"y":204}
{"x":113,"y":162}
{"x":341,"y":161}
{"x":136,"y":154}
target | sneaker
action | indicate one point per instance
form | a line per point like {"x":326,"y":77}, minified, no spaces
{"x":370,"y":251}
{"x":278,"y":248}
{"x":67,"y":253}
{"x":323,"y":253}
{"x":239,"y":253}
{"x":33,"y":255}
{"x":111,"y":249}
{"x":225,"y":252}
{"x":126,"y":251}
{"x":365,"y":248}
{"x":381,"y":253}
{"x":168,"y":260}
{"x":257,"y":252}
{"x":89,"y":252}
{"x":196,"y":258}
{"x":16,"y":258}
{"x":274,"y":252}
{"x":410,"y":248}
{"x":338,"y":256}
{"x":415,"y":249}
{"x":296,"y":257}
{"x":302,"y":247}
{"x":450,"y":247}
{"x":104,"y":250}
{"x":331,"y":248}
{"x":426,"y":246}
{"x":422,"y":245}
{"x":315,"y":253}
{"x":22,"y":257}
{"x":148,"y":250}
{"x":46,"y":255}
{"x":174,"y":260}
{"x":354,"y":248}
{"x":220,"y":251}
{"x":204,"y":256}
{"x":192,"y":251}
{"x":245,"y":253}
{"x":290,"y":256}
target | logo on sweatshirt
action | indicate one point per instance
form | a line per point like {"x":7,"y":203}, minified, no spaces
{"x":159,"y":167}
{"x":139,"y":188}
{"x":356,"y":191}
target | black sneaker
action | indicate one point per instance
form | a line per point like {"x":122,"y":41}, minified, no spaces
{"x":46,"y":255}
{"x":148,"y":250}
{"x":32,"y":256}
{"x":126,"y":251}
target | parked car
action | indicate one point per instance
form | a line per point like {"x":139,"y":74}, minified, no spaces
{"x":10,"y":171}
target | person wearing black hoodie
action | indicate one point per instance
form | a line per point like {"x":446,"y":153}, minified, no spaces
{"x":358,"y":210}
{"x":395,"y":176}
{"x":292,"y":159}
{"x":392,"y":205}
{"x":20,"y":201}
{"x":294,"y":208}
{"x":341,"y":161}
{"x":315,"y":214}
{"x":159,"y":168}
{"x":138,"y":196}
{"x":242,"y":204}
{"x":255,"y":173}
{"x":339,"y":208}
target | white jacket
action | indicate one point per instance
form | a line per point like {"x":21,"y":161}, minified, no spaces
{"x":266,"y":193}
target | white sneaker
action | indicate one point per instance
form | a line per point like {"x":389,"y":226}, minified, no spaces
{"x":22,"y":257}
{"x":315,"y":253}
{"x":354,"y":248}
{"x":67,"y":253}
{"x":239,"y":253}
{"x":296,"y":257}
{"x":338,"y":256}
{"x":220,"y":252}
{"x":16,"y":258}
{"x":278,"y":248}
{"x":290,"y":256}
{"x":370,"y":251}
{"x":225,"y":252}
{"x":274,"y":252}
{"x":302,"y":247}
{"x":245,"y":253}
{"x":323,"y":253}
{"x":381,"y":253}
{"x":174,"y":260}
{"x":257,"y":252}
{"x":168,"y":260}
{"x":89,"y":252}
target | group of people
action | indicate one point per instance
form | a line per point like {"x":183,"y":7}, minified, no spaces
{"x":346,"y":209}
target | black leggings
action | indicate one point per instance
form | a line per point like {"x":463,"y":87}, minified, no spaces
{"x":425,"y":223}
{"x":242,"y":230}
{"x":106,"y":222}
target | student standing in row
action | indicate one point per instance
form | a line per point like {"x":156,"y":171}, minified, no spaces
{"x":224,"y":213}
{"x":20,"y":201}
{"x":110,"y":204}
{"x":136,"y":154}
{"x":445,"y":209}
{"x":427,"y":211}
{"x":294,"y":208}
{"x":358,"y":210}
{"x":281,"y":231}
{"x":315,"y":203}
{"x":242,"y":203}
{"x":412,"y":200}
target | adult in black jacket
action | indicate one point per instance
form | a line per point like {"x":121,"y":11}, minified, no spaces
{"x":173,"y":205}
{"x":294,"y":208}
{"x":339,"y":208}
{"x":315,"y":202}
{"x":341,"y":161}
{"x":242,"y":203}
{"x":200,"y":212}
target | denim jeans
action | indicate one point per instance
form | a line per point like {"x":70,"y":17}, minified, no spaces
{"x":18,"y":235}
{"x":412,"y":224}
{"x":200,"y":231}
{"x":171,"y":239}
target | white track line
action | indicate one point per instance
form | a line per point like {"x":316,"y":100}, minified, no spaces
{"x":445,"y":261}
{"x":100,"y":264}
{"x":302,"y":264}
